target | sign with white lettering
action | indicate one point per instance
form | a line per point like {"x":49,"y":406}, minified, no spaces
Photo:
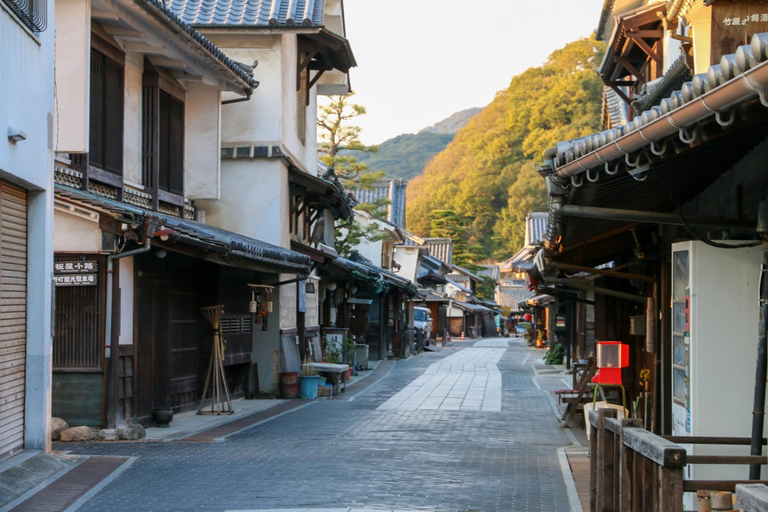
{"x":76,"y":279}
{"x":75,"y":267}
{"x":76,"y":273}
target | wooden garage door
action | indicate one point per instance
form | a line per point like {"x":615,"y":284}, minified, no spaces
{"x":13,"y":309}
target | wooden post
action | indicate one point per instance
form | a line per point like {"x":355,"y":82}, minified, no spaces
{"x":671,"y":489}
{"x":638,"y":493}
{"x":605,"y":462}
{"x":626,"y":458}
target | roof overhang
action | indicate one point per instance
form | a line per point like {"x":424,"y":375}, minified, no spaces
{"x":322,"y":192}
{"x":196,"y":239}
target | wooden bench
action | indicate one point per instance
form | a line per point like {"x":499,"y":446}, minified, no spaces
{"x":334,"y":373}
{"x":579,"y":395}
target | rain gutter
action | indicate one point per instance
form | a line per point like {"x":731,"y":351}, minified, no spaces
{"x":750,"y":83}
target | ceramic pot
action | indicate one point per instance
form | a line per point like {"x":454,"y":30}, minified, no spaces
{"x":162,"y":417}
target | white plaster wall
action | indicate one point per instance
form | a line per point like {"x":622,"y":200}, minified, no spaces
{"x":73,"y":64}
{"x":134,"y":68}
{"x":371,"y":250}
{"x":75,"y":234}
{"x":125,"y":335}
{"x":26,"y":103}
{"x":253,"y":200}
{"x":256,"y":120}
{"x":202,"y":142}
{"x":408,"y":259}
{"x":288,"y":66}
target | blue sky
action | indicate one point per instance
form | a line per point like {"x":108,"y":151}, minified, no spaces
{"x":419,"y":61}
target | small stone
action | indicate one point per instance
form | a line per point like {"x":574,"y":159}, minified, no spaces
{"x":107,"y":434}
{"x":57,"y":425}
{"x":76,"y":434}
{"x":140,"y":430}
{"x":128,"y":434}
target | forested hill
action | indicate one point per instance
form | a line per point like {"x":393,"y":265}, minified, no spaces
{"x":454,"y":123}
{"x":406,"y":155}
{"x":486,"y":175}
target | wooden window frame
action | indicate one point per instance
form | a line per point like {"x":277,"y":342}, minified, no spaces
{"x":164,"y":184}
{"x":101,"y":300}
{"x":109,"y":129}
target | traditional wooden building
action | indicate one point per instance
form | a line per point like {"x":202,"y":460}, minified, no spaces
{"x":136,"y":255}
{"x":659,"y":224}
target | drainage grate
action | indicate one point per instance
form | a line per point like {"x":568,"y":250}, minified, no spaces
{"x":63,"y":492}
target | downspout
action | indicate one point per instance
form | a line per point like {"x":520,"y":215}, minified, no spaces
{"x":247,"y":97}
{"x":761,"y":371}
{"x":109,"y":343}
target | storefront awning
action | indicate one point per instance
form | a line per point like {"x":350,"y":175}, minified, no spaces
{"x":200,"y":240}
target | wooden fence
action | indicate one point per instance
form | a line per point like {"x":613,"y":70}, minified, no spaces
{"x":632,"y":469}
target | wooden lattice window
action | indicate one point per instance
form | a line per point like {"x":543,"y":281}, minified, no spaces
{"x":79,"y":332}
{"x":106,"y":116}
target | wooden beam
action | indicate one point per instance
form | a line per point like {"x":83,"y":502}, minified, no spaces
{"x":316,"y":78}
{"x":639,"y":41}
{"x":618,"y":91}
{"x":602,"y":271}
{"x":630,"y":67}
{"x":656,"y":34}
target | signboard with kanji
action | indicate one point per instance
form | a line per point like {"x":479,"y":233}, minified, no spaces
{"x":76,"y":273}
{"x":734,"y":24}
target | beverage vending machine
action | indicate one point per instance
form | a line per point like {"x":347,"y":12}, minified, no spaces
{"x":714,"y":318}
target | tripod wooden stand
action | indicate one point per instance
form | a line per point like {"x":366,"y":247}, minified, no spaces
{"x":215,"y":368}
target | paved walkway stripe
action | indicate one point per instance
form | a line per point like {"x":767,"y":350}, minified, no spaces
{"x":61,"y":493}
{"x":468,"y":380}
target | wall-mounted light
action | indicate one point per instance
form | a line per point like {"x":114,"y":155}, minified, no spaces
{"x":163,"y":233}
{"x":310,"y":287}
{"x":15,"y":135}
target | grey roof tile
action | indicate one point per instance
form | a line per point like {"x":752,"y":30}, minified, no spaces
{"x":250,"y":12}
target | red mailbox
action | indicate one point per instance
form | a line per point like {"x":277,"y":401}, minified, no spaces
{"x":612,"y":356}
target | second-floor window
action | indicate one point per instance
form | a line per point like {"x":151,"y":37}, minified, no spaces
{"x":106,"y":120}
{"x":163,"y":136}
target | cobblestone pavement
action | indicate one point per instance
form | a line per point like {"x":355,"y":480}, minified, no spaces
{"x":348,"y":453}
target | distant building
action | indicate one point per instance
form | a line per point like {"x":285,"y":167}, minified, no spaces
{"x":392,"y":189}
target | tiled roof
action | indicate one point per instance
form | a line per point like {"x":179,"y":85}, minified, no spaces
{"x":208,"y":238}
{"x":391,"y":189}
{"x":617,"y":109}
{"x":535,"y":227}
{"x":511,"y":296}
{"x":677,"y":74}
{"x":440,"y":248}
{"x":490,"y":271}
{"x":167,"y":15}
{"x":266,"y":13}
{"x":730,"y":68}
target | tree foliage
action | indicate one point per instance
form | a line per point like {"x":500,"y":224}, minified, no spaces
{"x":338,"y":138}
{"x":486,"y":176}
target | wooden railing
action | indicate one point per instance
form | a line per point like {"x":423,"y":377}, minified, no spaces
{"x":632,"y":469}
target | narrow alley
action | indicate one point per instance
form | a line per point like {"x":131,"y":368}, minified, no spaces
{"x":463,"y":429}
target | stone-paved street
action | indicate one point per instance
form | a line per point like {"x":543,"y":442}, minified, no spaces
{"x":352,"y":453}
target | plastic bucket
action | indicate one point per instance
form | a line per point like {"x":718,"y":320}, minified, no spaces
{"x":308,"y":386}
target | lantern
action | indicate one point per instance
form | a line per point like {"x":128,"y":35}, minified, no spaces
{"x":527,"y":317}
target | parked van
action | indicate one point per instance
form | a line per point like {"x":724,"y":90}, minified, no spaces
{"x":422,"y":320}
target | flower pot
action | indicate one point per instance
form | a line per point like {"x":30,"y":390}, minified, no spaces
{"x":162,"y":417}
{"x":289,"y":384}
{"x":308,"y":386}
{"x":349,"y":372}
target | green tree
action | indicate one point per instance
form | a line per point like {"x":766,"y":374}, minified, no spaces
{"x":336,"y":136}
{"x":485,"y":176}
